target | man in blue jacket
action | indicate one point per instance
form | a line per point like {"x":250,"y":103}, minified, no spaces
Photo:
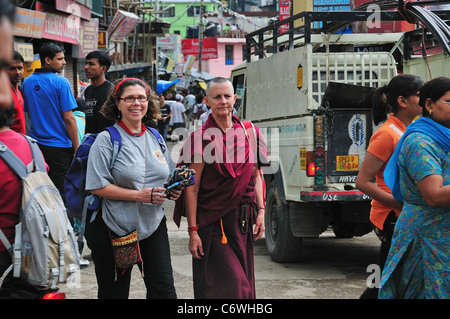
{"x":49,"y":102}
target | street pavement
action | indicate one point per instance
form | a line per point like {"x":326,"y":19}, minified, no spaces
{"x":329,"y":268}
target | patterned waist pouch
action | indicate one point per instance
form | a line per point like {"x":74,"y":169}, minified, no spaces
{"x":126,"y":250}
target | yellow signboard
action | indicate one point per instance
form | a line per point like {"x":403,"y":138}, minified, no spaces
{"x":170,"y":65}
{"x":303,"y":158}
{"x":29,"y":67}
{"x":300,"y":6}
{"x":102,"y":39}
{"x":25,"y":49}
{"x":299,"y":77}
{"x":346,"y":163}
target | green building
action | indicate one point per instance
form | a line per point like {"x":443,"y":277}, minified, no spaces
{"x":182,"y":14}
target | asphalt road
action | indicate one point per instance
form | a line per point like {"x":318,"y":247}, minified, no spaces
{"x":329,"y":268}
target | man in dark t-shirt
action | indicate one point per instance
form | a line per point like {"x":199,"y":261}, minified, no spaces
{"x":97,"y":64}
{"x":163,"y":122}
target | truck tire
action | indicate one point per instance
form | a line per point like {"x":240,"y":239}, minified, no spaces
{"x":281,"y":244}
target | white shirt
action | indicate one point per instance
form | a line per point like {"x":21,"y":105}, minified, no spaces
{"x":190,"y":100}
{"x":204,"y":116}
{"x":178,"y":110}
{"x":198,"y":106}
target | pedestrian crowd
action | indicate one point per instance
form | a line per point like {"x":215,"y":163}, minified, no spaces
{"x":407,"y":157}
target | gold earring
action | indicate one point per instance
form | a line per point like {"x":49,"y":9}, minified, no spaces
{"x":430,"y":111}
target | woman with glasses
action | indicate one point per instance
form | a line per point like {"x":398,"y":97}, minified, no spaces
{"x":132,"y":194}
{"x":418,"y":173}
{"x":397,"y":104}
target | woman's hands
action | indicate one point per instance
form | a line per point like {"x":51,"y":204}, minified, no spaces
{"x":175,"y":193}
{"x":156,"y":195}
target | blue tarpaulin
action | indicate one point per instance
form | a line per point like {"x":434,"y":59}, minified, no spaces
{"x":164,"y":85}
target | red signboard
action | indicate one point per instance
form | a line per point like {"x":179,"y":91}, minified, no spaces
{"x":285,"y":13}
{"x":59,"y":26}
{"x":62,"y":28}
{"x":209,"y":48}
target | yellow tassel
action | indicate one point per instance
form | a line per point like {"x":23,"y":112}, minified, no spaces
{"x":224,"y":238}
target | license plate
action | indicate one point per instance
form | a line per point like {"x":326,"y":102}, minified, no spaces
{"x":346,"y":163}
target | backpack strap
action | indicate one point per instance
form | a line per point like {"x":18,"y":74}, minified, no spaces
{"x":17,"y":165}
{"x":7,"y":271}
{"x":159,"y":138}
{"x":6,"y":242}
{"x":246,"y":125}
{"x":13,"y":161}
{"x":38,"y":158}
{"x":163,"y":146}
{"x":116,"y":141}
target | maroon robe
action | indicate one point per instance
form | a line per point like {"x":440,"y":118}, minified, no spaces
{"x":225,"y":270}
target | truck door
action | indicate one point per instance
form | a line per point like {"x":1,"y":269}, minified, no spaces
{"x":349,"y":128}
{"x":238,"y":81}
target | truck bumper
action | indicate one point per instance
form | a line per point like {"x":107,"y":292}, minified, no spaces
{"x":319,"y":209}
{"x":332,"y":196}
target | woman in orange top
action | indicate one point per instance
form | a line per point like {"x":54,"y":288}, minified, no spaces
{"x":400,"y":100}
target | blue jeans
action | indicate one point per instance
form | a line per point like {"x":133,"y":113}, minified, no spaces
{"x":58,"y":160}
{"x":164,"y":132}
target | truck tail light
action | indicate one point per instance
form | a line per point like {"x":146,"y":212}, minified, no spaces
{"x":310,"y":166}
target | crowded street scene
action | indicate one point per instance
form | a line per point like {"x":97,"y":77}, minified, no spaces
{"x":250,"y":154}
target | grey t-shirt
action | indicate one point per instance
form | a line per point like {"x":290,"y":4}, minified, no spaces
{"x":139,"y":164}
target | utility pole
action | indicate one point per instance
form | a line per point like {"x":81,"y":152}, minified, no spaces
{"x":200,"y":38}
